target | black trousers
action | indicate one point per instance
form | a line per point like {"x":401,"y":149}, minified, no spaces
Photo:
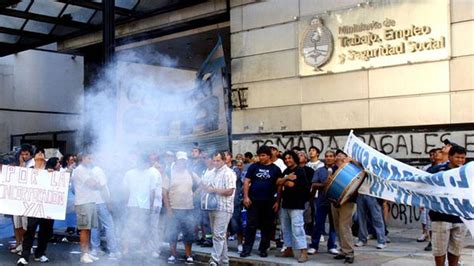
{"x":44,"y":234}
{"x":260,"y":215}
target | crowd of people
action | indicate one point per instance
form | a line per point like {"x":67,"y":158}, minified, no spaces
{"x":207,"y":198}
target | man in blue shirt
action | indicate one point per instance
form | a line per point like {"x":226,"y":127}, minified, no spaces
{"x":259,"y":199}
{"x":323,"y":206}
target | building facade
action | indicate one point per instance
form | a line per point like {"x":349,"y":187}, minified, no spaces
{"x":40,"y":92}
{"x":402,"y":104}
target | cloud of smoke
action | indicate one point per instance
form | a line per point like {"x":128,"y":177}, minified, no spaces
{"x":134,"y":108}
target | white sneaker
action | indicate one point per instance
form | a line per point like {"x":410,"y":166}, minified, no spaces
{"x":422,"y":238}
{"x":333,"y":251}
{"x":85,"y":258}
{"x":240,"y":248}
{"x":189,"y":260}
{"x":115,"y":255}
{"x":171,"y":259}
{"x":321,"y":239}
{"x":18,"y":249}
{"x":94,"y":258}
{"x":360,"y":244}
{"x":273,"y":245}
{"x":96,"y":252}
{"x":21,"y":261}
{"x":283,"y":249}
{"x":42,"y":259}
{"x":155,"y":254}
{"x":381,"y":246}
{"x":311,"y":251}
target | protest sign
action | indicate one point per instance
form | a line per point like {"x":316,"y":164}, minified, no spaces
{"x":33,"y":192}
{"x":450,"y":192}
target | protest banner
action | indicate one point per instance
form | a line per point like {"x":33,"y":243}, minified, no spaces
{"x":33,"y":192}
{"x":450,"y":192}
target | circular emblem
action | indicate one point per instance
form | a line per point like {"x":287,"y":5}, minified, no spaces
{"x":317,"y":44}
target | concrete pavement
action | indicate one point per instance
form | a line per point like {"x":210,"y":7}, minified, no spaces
{"x":403,"y":250}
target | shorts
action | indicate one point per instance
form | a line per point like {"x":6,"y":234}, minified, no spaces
{"x":447,"y":237}
{"x":20,"y":222}
{"x":86,"y":216}
{"x":181,"y":222}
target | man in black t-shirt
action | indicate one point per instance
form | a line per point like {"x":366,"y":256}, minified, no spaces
{"x":259,"y":198}
{"x":294,"y":194}
{"x":448,"y":231}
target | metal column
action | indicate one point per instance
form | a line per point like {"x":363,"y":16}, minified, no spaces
{"x":108,"y":30}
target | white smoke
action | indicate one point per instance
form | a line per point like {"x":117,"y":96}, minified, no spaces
{"x":128,"y":109}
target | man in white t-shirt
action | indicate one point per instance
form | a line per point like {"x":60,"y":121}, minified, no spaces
{"x":104,"y":216}
{"x":140,"y":186}
{"x":276,"y":157}
{"x":178,"y":200}
{"x":314,"y":161}
{"x":86,"y":185}
{"x":157,"y":205}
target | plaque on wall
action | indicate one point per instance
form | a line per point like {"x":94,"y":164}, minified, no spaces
{"x":374,"y":34}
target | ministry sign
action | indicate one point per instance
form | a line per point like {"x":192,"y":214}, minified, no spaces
{"x":374,"y":35}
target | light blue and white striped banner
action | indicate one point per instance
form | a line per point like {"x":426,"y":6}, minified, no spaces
{"x":450,"y":192}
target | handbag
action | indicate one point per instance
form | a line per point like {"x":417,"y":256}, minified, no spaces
{"x":209,"y":202}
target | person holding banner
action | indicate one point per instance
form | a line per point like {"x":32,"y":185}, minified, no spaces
{"x":45,"y":225}
{"x":448,"y":231}
{"x":342,"y":216}
{"x":20,"y":223}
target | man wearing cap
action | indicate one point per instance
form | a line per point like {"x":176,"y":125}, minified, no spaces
{"x":276,"y":157}
{"x":178,"y":200}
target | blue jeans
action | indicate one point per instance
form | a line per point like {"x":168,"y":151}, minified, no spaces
{"x":107,"y":223}
{"x":368,"y":206}
{"x":292,"y":225}
{"x":322,"y":211}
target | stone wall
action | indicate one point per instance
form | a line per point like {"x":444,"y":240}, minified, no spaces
{"x":264,"y":44}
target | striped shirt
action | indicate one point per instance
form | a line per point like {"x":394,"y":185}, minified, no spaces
{"x":225,"y":178}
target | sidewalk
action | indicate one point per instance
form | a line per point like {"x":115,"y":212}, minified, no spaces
{"x":403,"y":250}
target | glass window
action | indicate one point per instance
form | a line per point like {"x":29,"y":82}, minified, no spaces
{"x":11,"y":22}
{"x":47,"y":8}
{"x":8,"y":38}
{"x":128,"y":4}
{"x":21,"y":6}
{"x":97,"y":19}
{"x":40,"y":27}
{"x":79,"y":14}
